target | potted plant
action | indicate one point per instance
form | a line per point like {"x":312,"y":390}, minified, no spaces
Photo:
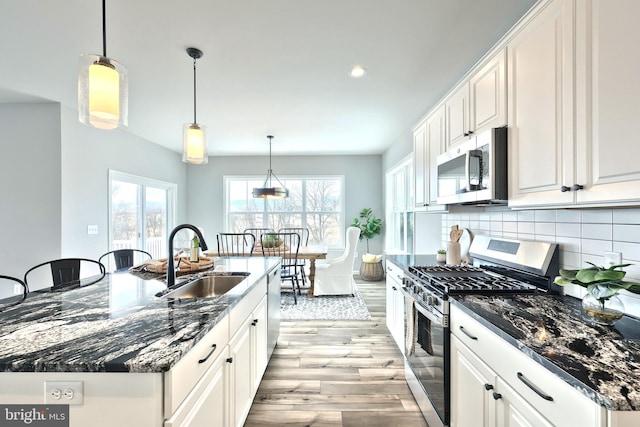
{"x":371,"y":266}
{"x":601,"y":302}
{"x":441,"y":255}
{"x":369,"y":225}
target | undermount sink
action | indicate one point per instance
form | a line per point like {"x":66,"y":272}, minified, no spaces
{"x":207,"y":286}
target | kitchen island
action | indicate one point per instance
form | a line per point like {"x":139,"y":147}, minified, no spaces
{"x":126,"y":345}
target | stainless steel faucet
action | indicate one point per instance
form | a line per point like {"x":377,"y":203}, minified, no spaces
{"x":171,"y":271}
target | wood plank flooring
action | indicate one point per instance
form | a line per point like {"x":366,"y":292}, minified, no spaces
{"x":337,"y":373}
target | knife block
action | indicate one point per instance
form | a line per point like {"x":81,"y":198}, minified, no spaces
{"x":453,"y":253}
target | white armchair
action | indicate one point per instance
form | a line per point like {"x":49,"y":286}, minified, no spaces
{"x":336,"y":276}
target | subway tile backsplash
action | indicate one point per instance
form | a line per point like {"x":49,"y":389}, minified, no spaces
{"x":583,"y":235}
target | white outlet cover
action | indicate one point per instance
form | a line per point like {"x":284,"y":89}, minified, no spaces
{"x":612,"y":258}
{"x":52,"y":389}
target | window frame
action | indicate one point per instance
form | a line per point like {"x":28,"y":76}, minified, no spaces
{"x":405,"y":208}
{"x":266,"y":212}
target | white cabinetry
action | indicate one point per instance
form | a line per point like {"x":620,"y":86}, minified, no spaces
{"x":572,"y":94}
{"x":395,"y":304}
{"x":501,"y":386}
{"x":240,"y":373}
{"x":428,"y":143}
{"x":480,"y":103}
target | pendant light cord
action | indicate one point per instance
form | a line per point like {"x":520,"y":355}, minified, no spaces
{"x":104,"y":29}
{"x":194,"y":91}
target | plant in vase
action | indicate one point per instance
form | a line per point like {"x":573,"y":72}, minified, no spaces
{"x":603,"y":284}
{"x":441,"y":255}
{"x":371,"y":266}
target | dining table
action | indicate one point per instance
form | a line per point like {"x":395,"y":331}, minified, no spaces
{"x":310,"y":252}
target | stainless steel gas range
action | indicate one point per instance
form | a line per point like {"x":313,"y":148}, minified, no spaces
{"x":499,"y":267}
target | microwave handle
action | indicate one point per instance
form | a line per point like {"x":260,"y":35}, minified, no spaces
{"x":467,"y":167}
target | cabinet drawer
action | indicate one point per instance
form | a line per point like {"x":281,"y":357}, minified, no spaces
{"x":183,"y":377}
{"x":543,"y":389}
{"x":244,"y":308}
{"x":395,"y":272}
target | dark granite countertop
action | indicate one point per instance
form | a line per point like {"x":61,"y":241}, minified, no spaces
{"x":601,"y":362}
{"x":115,"y":325}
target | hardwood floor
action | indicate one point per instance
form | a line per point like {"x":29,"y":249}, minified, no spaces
{"x":337,"y":373}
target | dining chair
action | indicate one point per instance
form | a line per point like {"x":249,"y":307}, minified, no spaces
{"x":258,"y":232}
{"x":123,"y":258}
{"x":336,"y":276}
{"x":12,"y":291}
{"x":235,"y":244}
{"x":64,"y":272}
{"x":304,"y":241}
{"x":285,"y":246}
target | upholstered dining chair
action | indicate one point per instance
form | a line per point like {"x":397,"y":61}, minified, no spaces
{"x":123,"y":259}
{"x":285,"y":246}
{"x":64,"y":272}
{"x":8,"y":295}
{"x":336,"y":276}
{"x":235,"y":244}
{"x":304,"y":241}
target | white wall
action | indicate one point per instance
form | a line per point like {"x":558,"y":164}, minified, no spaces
{"x":30,"y":213}
{"x":54,"y":173}
{"x":363,"y":186}
{"x":87,"y":156}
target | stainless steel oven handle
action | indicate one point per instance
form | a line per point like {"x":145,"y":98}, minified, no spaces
{"x":434,"y":317}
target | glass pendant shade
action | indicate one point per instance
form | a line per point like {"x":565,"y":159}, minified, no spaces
{"x":103,"y":89}
{"x":194,"y":149}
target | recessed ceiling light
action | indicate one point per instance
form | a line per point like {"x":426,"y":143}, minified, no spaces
{"x":357,"y":72}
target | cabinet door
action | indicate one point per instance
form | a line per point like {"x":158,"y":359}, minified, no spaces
{"x":514,"y":411}
{"x":488,"y":95}
{"x":541,"y":108}
{"x":457,"y":107}
{"x":436,"y":141}
{"x":390,"y":306}
{"x":259,"y":343}
{"x":472,"y":387}
{"x":399,"y":314}
{"x":609,"y":150}
{"x":420,"y":166}
{"x":240,"y":373}
{"x":208,"y":405}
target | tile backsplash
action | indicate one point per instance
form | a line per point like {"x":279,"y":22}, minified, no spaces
{"x":583,"y":235}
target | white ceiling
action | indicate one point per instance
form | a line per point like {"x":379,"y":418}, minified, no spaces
{"x":269,"y":66}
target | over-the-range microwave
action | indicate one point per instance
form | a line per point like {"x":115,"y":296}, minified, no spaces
{"x":475,"y":172}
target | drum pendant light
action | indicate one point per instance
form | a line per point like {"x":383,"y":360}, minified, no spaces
{"x":194,"y":147}
{"x":268,"y":191}
{"x":103,"y":88}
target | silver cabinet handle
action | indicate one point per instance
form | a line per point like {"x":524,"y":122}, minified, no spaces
{"x":464,"y":331}
{"x":534,"y":388}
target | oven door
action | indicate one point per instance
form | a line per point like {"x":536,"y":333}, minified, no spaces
{"x":427,"y":356}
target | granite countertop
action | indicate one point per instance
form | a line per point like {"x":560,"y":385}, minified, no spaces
{"x":601,"y":362}
{"x":115,"y":325}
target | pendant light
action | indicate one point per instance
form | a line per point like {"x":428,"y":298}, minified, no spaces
{"x":194,"y":147}
{"x":268,"y":191}
{"x":103,"y":88}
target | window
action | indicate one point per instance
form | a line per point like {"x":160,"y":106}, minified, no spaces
{"x":399,"y":190}
{"x":141,"y":213}
{"x":314,"y":202}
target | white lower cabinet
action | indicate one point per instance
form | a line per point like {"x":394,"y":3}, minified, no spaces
{"x":495,"y":384}
{"x":395,"y":303}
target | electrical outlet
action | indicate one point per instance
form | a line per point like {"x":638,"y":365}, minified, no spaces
{"x":92,"y":229}
{"x":64,"y":392}
{"x":612,"y":258}
{"x":18,"y":289}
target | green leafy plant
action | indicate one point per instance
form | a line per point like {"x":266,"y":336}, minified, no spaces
{"x":442,"y":251}
{"x":602,"y":283}
{"x":369,"y":225}
{"x":271,"y":241}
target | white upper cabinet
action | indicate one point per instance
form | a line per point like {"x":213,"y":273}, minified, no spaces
{"x":608,"y":102}
{"x":428,"y":143}
{"x":572,"y":93}
{"x":541,"y":136}
{"x":478,"y":104}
